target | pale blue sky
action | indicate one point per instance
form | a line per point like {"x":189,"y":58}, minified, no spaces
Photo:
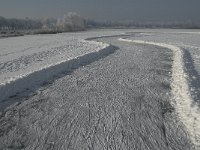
{"x":137,"y":10}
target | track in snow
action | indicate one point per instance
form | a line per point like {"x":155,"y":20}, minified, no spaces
{"x":185,"y":87}
{"x":119,"y":102}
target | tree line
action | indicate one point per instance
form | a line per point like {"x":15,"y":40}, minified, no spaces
{"x":74,"y":22}
{"x":69,"y":22}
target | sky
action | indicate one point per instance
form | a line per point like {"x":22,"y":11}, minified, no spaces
{"x":116,"y":10}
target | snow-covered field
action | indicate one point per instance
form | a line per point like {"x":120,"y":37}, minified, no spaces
{"x":20,"y":56}
{"x":26,"y":62}
{"x":126,"y":89}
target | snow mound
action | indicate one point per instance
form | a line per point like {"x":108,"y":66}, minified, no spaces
{"x":31,"y":70}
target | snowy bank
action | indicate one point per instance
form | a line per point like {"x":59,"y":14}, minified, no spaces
{"x":26,"y":75}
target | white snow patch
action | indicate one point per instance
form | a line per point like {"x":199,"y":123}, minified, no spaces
{"x":46,"y":65}
{"x":49,"y":61}
{"x":186,"y":110}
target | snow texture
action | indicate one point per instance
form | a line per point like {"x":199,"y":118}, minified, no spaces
{"x":27,"y":62}
{"x":188,"y":112}
{"x":118,"y":94}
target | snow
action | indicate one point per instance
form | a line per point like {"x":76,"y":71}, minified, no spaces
{"x":46,"y":57}
{"x":181,"y":89}
{"x":23,"y":59}
{"x":122,"y":78}
{"x":117,"y":102}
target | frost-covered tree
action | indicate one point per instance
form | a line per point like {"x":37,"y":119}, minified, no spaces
{"x":71,"y":22}
{"x":49,"y":23}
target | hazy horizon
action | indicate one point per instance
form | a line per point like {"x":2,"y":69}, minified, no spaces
{"x":116,"y":10}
